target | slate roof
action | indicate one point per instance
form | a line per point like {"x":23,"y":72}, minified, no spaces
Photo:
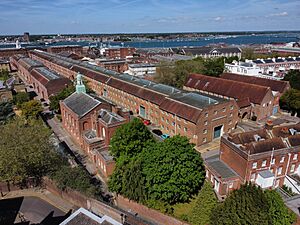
{"x":220,"y":167}
{"x":109,"y":117}
{"x":81,"y":103}
{"x":275,"y":85}
{"x":229,"y":88}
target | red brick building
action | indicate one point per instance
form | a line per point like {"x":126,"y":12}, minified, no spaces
{"x":253,"y":100}
{"x":119,"y":53}
{"x":278,"y":87}
{"x":200,"y":117}
{"x":118,"y":65}
{"x":91,"y":124}
{"x":44,"y":81}
{"x":268,"y":157}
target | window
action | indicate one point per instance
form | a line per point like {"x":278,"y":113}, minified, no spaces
{"x":295,"y":157}
{"x":205,"y":123}
{"x":273,"y":161}
{"x":282,"y":159}
{"x":204,"y":140}
{"x":215,"y":112}
{"x":254,"y":165}
{"x":231,"y":107}
{"x":206,"y":114}
{"x":167,"y":121}
{"x":173,"y":123}
{"x":204,"y":131}
{"x":292,"y":168}
{"x":178,"y":126}
{"x":185,"y":129}
{"x":230,"y":185}
{"x":253,"y":177}
{"x":224,"y":109}
{"x":230,"y":114}
{"x":230,"y":122}
{"x":264,"y":163}
{"x":279,"y":171}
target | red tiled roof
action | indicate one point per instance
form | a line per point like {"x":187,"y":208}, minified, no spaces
{"x":185,"y":111}
{"x":232,"y":89}
{"x":90,"y":73}
{"x":275,"y":85}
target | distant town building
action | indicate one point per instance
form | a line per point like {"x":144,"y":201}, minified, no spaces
{"x":209,"y":52}
{"x":254,"y":101}
{"x":141,"y":69}
{"x":148,"y":53}
{"x":172,"y":58}
{"x":77,"y":49}
{"x":26,"y":37}
{"x":118,"y":65}
{"x":268,"y":157}
{"x":118,"y":53}
{"x":274,"y":68}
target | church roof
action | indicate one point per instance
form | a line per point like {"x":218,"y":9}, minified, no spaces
{"x":81,"y":103}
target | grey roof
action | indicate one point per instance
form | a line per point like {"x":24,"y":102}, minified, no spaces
{"x":141,"y":65}
{"x":195,"y":99}
{"x":49,"y":74}
{"x":32,"y":62}
{"x":220,"y":167}
{"x":266,"y":174}
{"x":106,"y":156}
{"x":81,"y":103}
{"x":109,"y":117}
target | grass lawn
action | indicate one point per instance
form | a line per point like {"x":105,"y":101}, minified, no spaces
{"x":182,"y":210}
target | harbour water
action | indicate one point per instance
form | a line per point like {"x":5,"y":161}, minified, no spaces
{"x":229,"y":40}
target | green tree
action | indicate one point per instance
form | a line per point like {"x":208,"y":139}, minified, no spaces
{"x":173,"y":170}
{"x":213,"y":67}
{"x":25,"y":151}
{"x":31,"y":109}
{"x":291,"y":100}
{"x":21,"y":98}
{"x":4,"y":74}
{"x":247,"y":205}
{"x":54,"y":100}
{"x":6,"y":111}
{"x":75,"y":178}
{"x":130,"y":139}
{"x":278,"y":212}
{"x":293,"y":76}
{"x":205,"y":203}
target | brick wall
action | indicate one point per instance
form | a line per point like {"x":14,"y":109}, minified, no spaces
{"x":147,"y":213}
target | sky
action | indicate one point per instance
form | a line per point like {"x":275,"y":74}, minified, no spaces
{"x":135,"y":16}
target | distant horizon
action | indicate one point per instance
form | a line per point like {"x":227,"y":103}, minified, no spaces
{"x":141,"y":16}
{"x":157,"y":33}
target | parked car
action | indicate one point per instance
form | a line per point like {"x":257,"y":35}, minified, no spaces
{"x":165,"y":136}
{"x":147,"y":122}
{"x":157,"y":132}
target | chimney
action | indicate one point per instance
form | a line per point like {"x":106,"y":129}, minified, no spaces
{"x":269,"y":125}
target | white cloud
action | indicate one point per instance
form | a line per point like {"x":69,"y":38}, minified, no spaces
{"x":278,"y":14}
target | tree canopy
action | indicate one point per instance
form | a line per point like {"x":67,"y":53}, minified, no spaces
{"x":176,"y":74}
{"x":21,"y":98}
{"x":54,"y":100}
{"x":6,"y":111}
{"x":251,"y":205}
{"x":154,"y":173}
{"x":25,"y":151}
{"x":31,"y":109}
{"x":293,"y":76}
{"x":130,"y":139}
{"x":291,"y":100}
{"x":173,"y":170}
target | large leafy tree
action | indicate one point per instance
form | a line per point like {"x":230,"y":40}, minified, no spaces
{"x":6,"y":111}
{"x":248,"y":205}
{"x":173,"y":170}
{"x":130,"y":139}
{"x":278,"y":212}
{"x":54,"y":100}
{"x":291,"y":100}
{"x":31,"y":109}
{"x":25,"y":151}
{"x":206,"y":201}
{"x":21,"y":98}
{"x":293,"y":76}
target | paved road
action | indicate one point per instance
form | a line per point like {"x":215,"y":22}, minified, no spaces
{"x":29,"y":208}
